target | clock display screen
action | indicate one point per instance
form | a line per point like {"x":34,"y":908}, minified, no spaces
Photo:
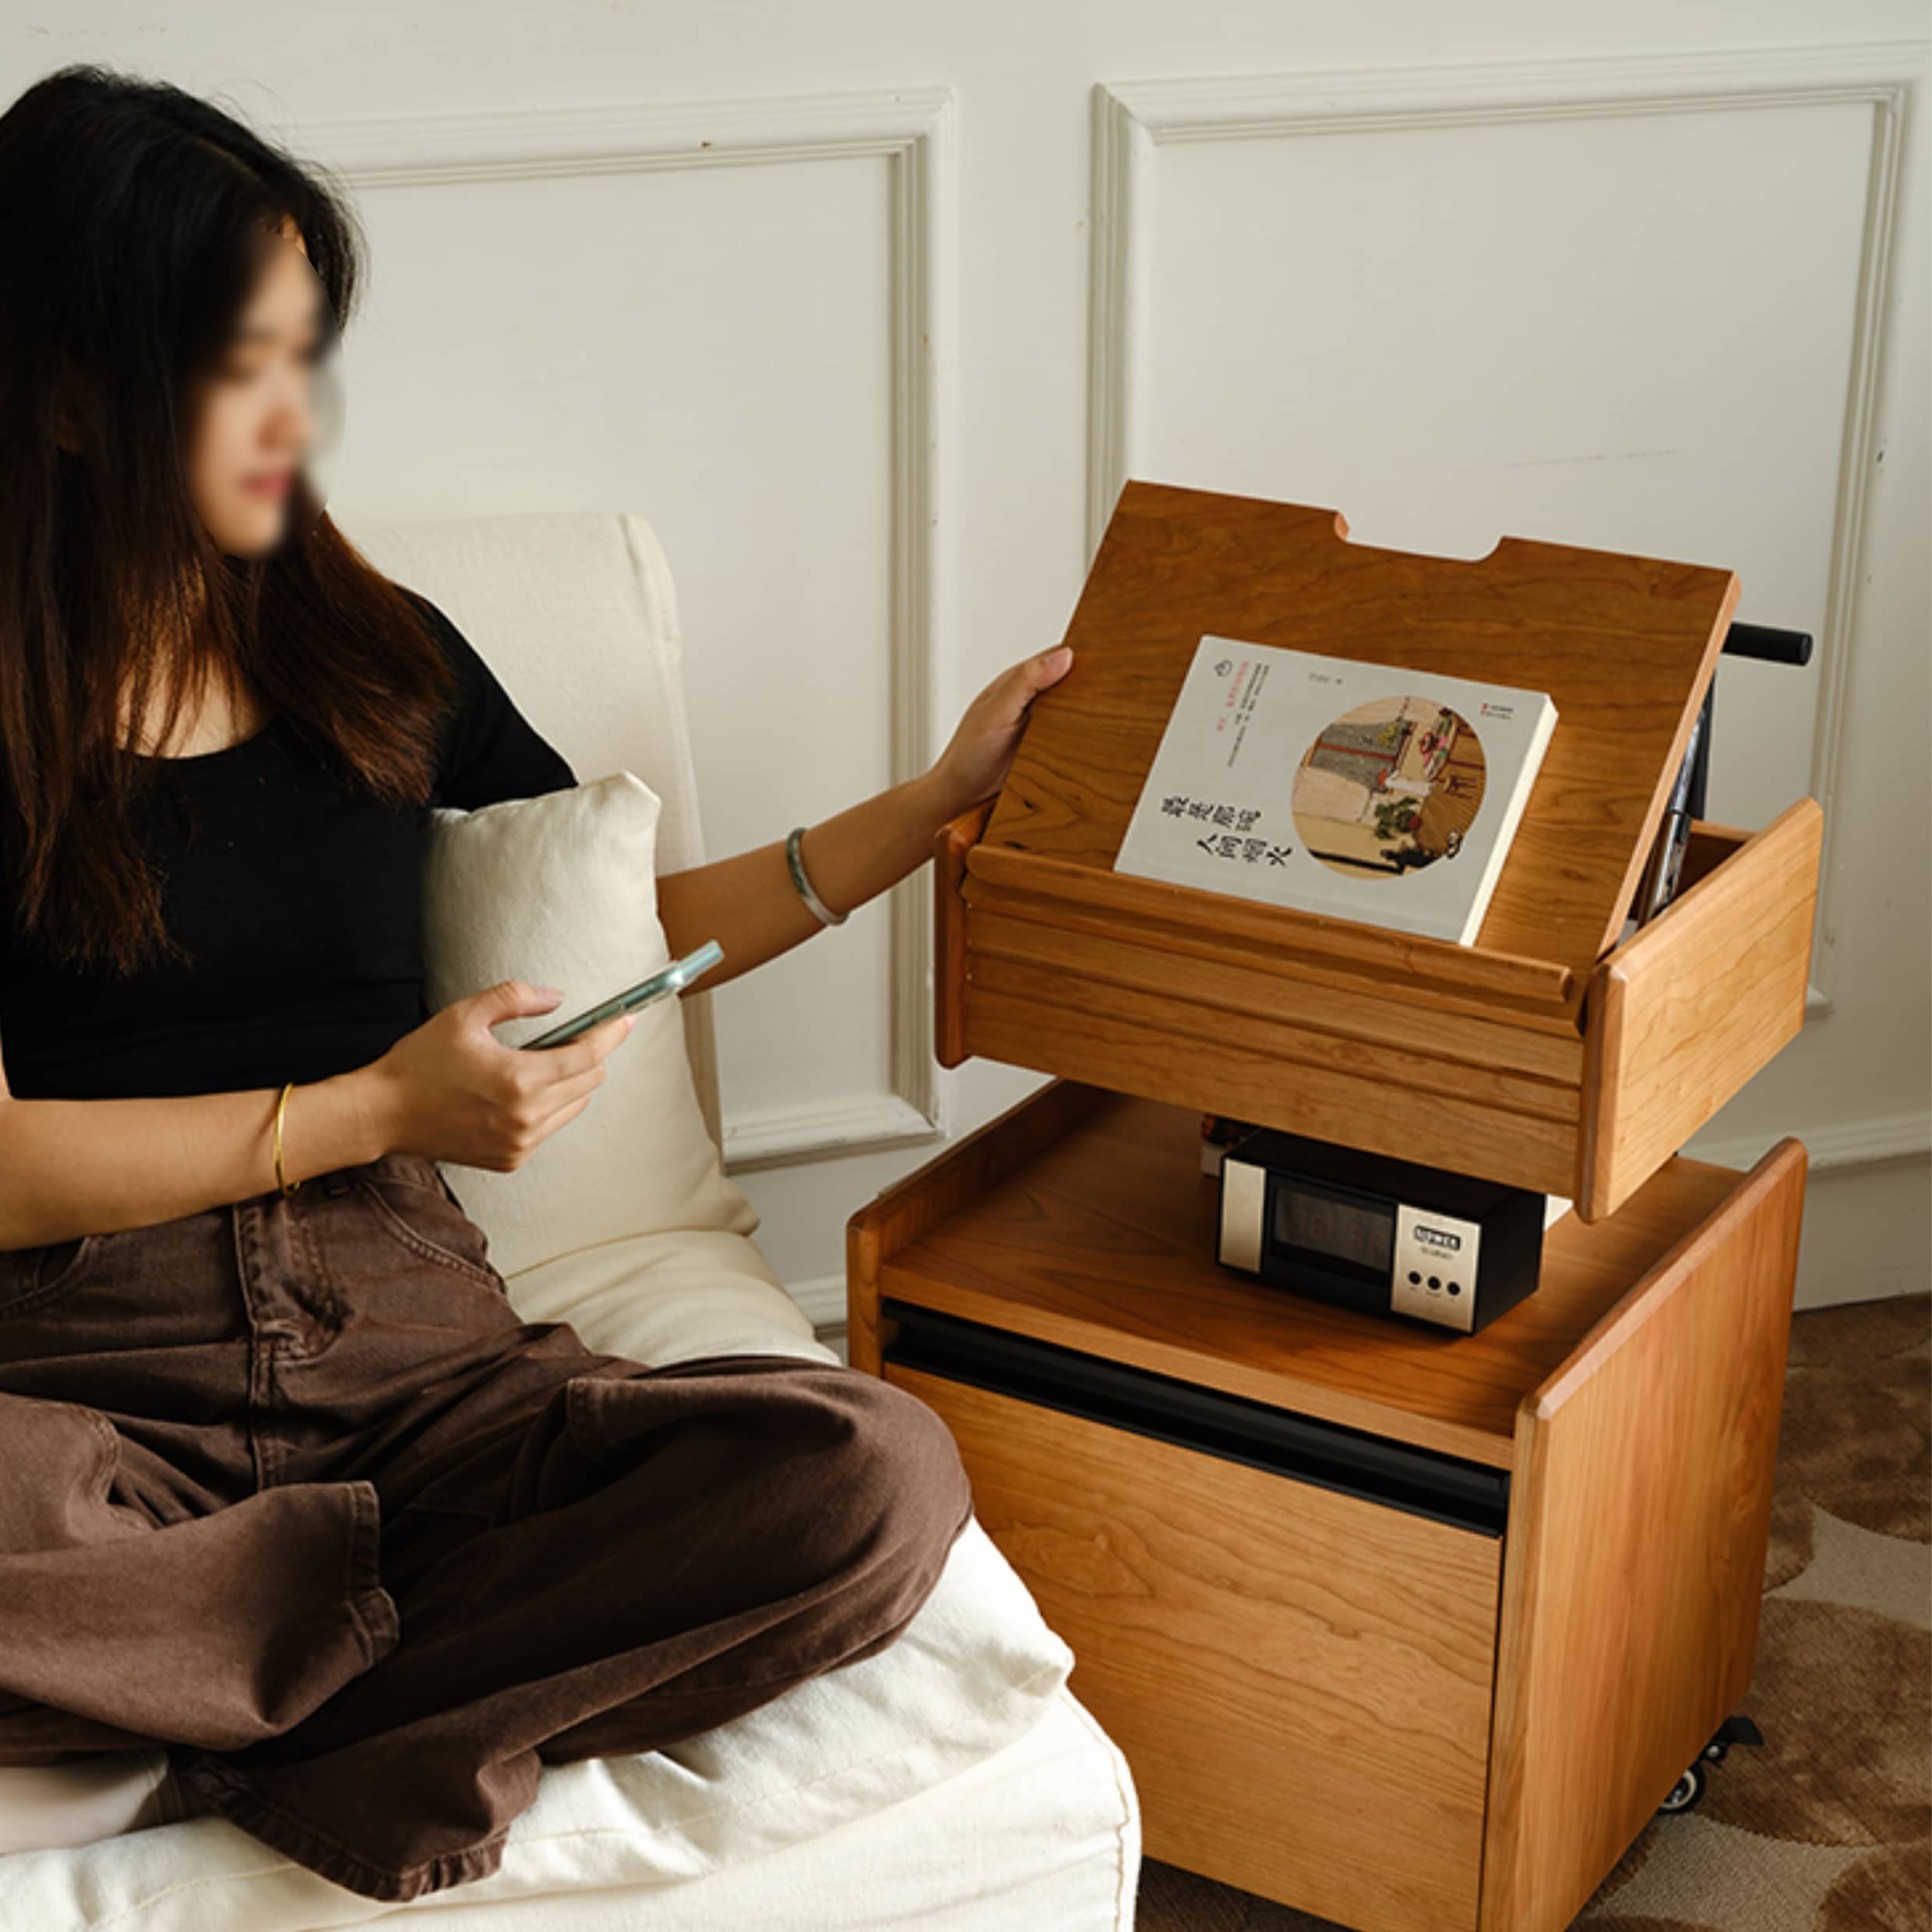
{"x":1332,"y":1226}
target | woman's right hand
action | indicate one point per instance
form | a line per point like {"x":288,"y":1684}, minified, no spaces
{"x":452,"y":1090}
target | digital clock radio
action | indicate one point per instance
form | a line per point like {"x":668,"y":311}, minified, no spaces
{"x":1386,"y":1236}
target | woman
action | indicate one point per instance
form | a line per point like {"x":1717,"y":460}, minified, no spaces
{"x":291,"y":1488}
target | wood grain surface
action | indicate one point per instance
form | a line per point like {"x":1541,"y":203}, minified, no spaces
{"x":1640,"y":1514}
{"x":1625,"y":645}
{"x":1300,"y":1679}
{"x":1081,"y":1217}
{"x":1401,"y":1725}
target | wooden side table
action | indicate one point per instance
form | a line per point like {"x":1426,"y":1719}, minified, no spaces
{"x":1411,"y":1630}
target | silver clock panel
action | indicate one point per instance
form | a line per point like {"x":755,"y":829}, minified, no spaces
{"x":1432,"y":1252}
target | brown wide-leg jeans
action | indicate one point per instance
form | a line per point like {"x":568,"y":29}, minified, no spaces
{"x":287,"y":1485}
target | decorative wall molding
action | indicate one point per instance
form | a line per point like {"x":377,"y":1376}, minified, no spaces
{"x":912,"y":130}
{"x":1132,"y":120}
{"x":867,"y":1125}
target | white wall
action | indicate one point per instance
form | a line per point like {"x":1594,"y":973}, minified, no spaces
{"x":810,"y":287}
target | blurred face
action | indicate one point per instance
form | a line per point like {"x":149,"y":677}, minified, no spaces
{"x":255,"y":420}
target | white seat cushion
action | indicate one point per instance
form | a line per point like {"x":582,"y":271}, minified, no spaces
{"x":670,"y":1297}
{"x":79,"y":1799}
{"x":975,"y":1670}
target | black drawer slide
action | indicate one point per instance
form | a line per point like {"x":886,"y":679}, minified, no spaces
{"x":1466,"y":1495}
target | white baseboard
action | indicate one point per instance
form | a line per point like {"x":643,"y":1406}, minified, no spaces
{"x":1905,"y":1137}
{"x":823,"y":1300}
{"x":1866,"y":1233}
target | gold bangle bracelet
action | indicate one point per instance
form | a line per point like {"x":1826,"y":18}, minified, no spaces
{"x":287,"y":1187}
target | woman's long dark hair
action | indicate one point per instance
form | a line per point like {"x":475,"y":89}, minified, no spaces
{"x":132,"y":220}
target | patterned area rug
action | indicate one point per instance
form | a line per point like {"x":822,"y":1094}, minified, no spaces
{"x":1827,"y":1828}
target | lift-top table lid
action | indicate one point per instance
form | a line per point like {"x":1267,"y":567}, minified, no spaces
{"x":1625,"y":646}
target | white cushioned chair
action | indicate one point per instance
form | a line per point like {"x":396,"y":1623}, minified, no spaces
{"x":952,"y":1783}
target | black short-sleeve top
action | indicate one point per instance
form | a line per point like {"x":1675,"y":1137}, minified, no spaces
{"x":300,"y":897}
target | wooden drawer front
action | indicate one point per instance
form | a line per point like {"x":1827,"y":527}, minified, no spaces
{"x":1538,"y":1077}
{"x":1268,"y":1047}
{"x":1301,"y":1679}
{"x":1693,"y":1004}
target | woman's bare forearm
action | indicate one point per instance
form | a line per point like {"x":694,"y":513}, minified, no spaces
{"x":75,"y":1167}
{"x":749,"y":905}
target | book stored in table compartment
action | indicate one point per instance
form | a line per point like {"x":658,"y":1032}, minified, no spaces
{"x":1360,"y":790}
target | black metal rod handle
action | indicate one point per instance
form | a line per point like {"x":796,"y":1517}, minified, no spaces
{"x":1767,"y":642}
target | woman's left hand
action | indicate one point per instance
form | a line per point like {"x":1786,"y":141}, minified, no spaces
{"x":974,"y":763}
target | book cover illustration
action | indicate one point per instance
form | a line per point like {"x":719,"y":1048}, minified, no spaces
{"x":1368,"y":792}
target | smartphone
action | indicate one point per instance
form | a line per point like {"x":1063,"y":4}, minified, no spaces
{"x":679,"y":974}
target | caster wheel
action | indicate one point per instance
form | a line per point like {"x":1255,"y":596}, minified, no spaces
{"x":1685,"y":1793}
{"x":1717,"y":1750}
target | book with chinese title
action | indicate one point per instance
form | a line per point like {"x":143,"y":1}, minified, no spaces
{"x":1358,"y":791}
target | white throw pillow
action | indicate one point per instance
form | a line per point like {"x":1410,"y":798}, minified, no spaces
{"x":560,"y":889}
